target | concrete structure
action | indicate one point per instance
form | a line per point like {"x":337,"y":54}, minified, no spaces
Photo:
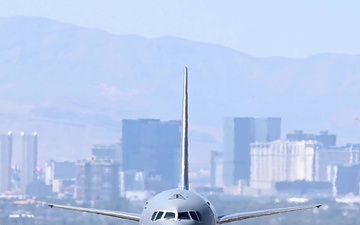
{"x":239,"y":133}
{"x":152,"y":146}
{"x":5,"y":161}
{"x":280,"y":161}
{"x":97,"y":180}
{"x":307,"y":164}
{"x":29,"y":154}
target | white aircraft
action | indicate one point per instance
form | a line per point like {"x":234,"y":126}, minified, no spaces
{"x":181,"y":206}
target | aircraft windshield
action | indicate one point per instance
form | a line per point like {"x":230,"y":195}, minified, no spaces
{"x":159,"y":215}
{"x":187,"y":215}
{"x":194,"y":216}
{"x":153,"y":216}
{"x":183,"y":216}
{"x":169,"y":215}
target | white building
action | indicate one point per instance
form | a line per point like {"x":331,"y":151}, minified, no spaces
{"x":279,"y":161}
{"x":288,"y":161}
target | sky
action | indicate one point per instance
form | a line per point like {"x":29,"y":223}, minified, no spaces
{"x":295,"y":29}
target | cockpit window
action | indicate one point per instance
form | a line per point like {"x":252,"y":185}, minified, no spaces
{"x":153,"y":216}
{"x":194,"y":216}
{"x":169,"y":215}
{"x":159,"y":215}
{"x":183,"y":216}
{"x":199,"y":215}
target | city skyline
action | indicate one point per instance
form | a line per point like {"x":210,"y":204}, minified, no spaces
{"x":255,"y":130}
{"x":17,"y":141}
{"x":298,"y":134}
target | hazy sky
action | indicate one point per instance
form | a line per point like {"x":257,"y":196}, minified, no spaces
{"x":260,"y":28}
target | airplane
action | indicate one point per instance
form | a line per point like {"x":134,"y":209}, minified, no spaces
{"x":182,"y":206}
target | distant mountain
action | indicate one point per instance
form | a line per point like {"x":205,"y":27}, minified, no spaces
{"x":74,"y":85}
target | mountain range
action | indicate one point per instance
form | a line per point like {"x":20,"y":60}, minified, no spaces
{"x":74,"y":85}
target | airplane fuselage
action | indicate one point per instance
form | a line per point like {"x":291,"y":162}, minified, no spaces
{"x":178,"y":207}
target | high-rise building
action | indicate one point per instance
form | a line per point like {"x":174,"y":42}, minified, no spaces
{"x":239,"y":133}
{"x":29,"y":154}
{"x":281,"y":161}
{"x":293,"y":162}
{"x":152,"y":146}
{"x":97,"y":180}
{"x":5,"y":161}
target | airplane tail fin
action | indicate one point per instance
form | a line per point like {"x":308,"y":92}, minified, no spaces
{"x":184,"y":182}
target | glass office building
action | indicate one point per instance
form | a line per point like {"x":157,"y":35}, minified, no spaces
{"x":239,"y":133}
{"x":152,"y":146}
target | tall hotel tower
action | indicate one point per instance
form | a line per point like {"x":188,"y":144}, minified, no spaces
{"x":152,"y":146}
{"x":29,"y":154}
{"x":239,"y":133}
{"x":5,"y":161}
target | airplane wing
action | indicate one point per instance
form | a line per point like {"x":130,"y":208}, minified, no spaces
{"x":117,"y":214}
{"x":248,"y":215}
